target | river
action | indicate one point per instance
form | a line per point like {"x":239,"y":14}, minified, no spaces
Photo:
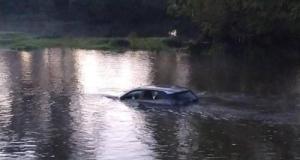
{"x":52,"y":107}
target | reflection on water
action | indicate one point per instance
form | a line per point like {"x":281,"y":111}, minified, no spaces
{"x":51,"y":107}
{"x":98,"y":70}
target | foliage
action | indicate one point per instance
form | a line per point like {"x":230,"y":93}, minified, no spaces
{"x":242,"y":20}
{"x":236,"y":21}
{"x":152,"y":44}
{"x":20,"y":41}
{"x":94,"y":11}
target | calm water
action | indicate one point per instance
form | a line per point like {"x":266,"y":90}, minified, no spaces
{"x":52,"y":107}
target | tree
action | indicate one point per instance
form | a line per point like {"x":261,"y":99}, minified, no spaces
{"x":242,"y":20}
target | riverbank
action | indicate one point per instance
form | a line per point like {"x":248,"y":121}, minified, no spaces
{"x":23,"y":41}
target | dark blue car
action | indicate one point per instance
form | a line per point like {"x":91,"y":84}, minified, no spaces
{"x":160,"y":95}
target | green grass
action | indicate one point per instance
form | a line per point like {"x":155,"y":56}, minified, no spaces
{"x":152,"y":44}
{"x":21,"y":41}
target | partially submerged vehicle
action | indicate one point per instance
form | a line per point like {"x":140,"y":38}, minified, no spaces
{"x":160,"y":95}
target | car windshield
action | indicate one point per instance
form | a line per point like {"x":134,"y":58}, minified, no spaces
{"x":185,"y":96}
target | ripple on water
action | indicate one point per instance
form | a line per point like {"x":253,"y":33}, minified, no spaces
{"x":52,"y":107}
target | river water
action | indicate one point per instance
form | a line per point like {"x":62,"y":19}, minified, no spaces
{"x":52,"y":107}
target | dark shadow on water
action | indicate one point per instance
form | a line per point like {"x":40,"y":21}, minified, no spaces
{"x":58,"y":146}
{"x":182,"y":135}
{"x":252,"y":70}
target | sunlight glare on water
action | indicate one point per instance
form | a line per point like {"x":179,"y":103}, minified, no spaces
{"x":99,"y":71}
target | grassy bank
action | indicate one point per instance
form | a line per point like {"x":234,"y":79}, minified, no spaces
{"x":21,"y":41}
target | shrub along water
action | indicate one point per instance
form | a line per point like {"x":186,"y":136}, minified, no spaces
{"x":21,"y":41}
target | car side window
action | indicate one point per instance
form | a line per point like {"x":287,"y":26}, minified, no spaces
{"x":147,"y":95}
{"x":157,"y":95}
{"x":188,"y":95}
{"x":133,"y":95}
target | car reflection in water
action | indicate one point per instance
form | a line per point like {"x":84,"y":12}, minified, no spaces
{"x":160,"y":96}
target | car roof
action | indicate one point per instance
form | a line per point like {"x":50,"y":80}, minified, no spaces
{"x":166,"y":89}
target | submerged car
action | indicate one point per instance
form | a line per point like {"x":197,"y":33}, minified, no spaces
{"x":160,"y":95}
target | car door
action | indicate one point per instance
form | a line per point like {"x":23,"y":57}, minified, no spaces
{"x":146,"y":98}
{"x":161,"y":98}
{"x":156,"y":98}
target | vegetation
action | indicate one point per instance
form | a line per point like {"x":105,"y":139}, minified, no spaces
{"x":212,"y":21}
{"x":109,"y":18}
{"x":129,"y":13}
{"x":21,"y":41}
{"x":153,"y":44}
{"x":242,"y":21}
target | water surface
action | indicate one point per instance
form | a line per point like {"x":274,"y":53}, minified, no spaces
{"x":52,"y":107}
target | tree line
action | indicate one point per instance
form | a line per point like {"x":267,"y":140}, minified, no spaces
{"x":242,"y":20}
{"x":93,"y":11}
{"x":215,"y":20}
